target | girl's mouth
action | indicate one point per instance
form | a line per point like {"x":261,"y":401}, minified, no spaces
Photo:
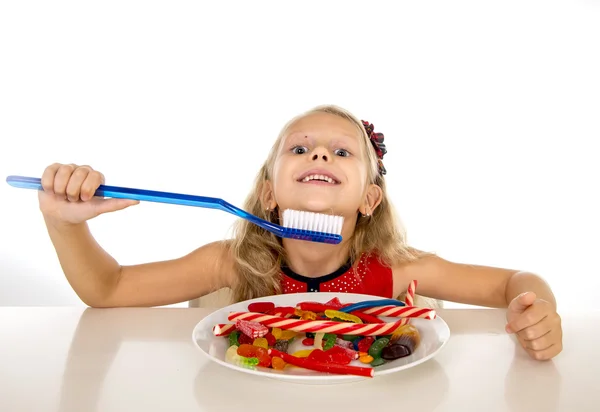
{"x":319,"y":179}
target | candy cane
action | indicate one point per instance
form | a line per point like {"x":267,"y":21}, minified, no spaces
{"x":297,"y":325}
{"x":223,"y":329}
{"x":401,"y":312}
{"x":410,"y":293}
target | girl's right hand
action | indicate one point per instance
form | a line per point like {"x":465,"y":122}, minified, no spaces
{"x":68,"y":195}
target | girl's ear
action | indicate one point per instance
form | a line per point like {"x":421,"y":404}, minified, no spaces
{"x":373,"y":198}
{"x":267,"y":197}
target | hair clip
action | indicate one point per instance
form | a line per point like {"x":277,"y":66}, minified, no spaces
{"x":377,"y":142}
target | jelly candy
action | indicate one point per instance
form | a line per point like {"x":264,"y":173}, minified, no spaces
{"x":335,"y":302}
{"x":233,"y":338}
{"x":308,"y":342}
{"x":409,"y":334}
{"x":377,"y":362}
{"x":329,"y":341}
{"x":261,"y":343}
{"x":366,"y":359}
{"x":365,"y":343}
{"x":336,"y":355}
{"x":281,"y":345}
{"x":231,"y":354}
{"x":242,"y":338}
{"x":252,"y":329}
{"x":336,"y":314}
{"x":305,"y":314}
{"x":248,"y":361}
{"x":276,"y":332}
{"x":278,"y":363}
{"x":270,"y":339}
{"x":395,"y":351}
{"x":344,"y":343}
{"x":377,"y":347}
{"x":261,"y":307}
{"x":251,"y":351}
{"x":350,"y":338}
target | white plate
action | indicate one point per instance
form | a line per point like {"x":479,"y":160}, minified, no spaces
{"x":434,"y":335}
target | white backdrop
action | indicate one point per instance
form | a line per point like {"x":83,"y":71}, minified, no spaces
{"x":490,"y":110}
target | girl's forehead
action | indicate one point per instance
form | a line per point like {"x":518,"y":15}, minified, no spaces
{"x":322,"y":125}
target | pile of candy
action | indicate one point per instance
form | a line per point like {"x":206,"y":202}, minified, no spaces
{"x":334,"y":334}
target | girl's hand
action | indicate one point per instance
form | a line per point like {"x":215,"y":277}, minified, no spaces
{"x":536,"y":324}
{"x":68,"y":195}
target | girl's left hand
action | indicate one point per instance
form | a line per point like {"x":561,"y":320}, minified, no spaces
{"x":536,"y":324}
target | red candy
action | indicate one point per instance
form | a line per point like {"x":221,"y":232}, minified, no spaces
{"x":261,"y":307}
{"x":337,"y":355}
{"x":245,"y":339}
{"x":270,"y":339}
{"x":251,"y":329}
{"x":308,"y":341}
{"x":335,"y":303}
{"x":365,"y":344}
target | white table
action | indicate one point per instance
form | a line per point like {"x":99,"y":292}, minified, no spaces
{"x":136,"y":359}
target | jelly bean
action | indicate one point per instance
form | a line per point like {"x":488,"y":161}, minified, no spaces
{"x":366,"y":359}
{"x":261,"y":343}
{"x":377,"y":347}
{"x":233,"y":338}
{"x":365,"y":344}
{"x":395,"y":351}
{"x":377,"y":362}
{"x":278,"y":363}
{"x":270,"y":339}
{"x":336,"y":314}
{"x":329,"y":341}
{"x":281,"y":345}
{"x":308,"y":342}
{"x":261,"y":307}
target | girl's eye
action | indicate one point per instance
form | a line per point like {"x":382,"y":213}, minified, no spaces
{"x":342,"y":152}
{"x":299,"y":150}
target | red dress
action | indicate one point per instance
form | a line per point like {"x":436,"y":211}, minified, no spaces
{"x":370,"y":277}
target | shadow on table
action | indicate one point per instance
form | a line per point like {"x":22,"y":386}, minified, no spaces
{"x":100,"y":333}
{"x":220,"y":388}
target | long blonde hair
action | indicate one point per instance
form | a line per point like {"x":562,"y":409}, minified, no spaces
{"x":259,"y":254}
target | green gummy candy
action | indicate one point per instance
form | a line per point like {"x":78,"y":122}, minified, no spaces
{"x":248,"y":361}
{"x":329,"y":339}
{"x":350,"y":338}
{"x":233,"y":338}
{"x":377,"y":362}
{"x":377,"y":347}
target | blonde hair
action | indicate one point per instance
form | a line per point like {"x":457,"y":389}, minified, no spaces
{"x":259,"y":254}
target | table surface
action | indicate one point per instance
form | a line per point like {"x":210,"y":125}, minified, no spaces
{"x":143,"y":359}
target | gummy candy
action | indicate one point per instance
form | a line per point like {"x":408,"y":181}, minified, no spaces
{"x":377,"y":347}
{"x":248,"y":361}
{"x":377,"y":362}
{"x":231,"y":354}
{"x":251,"y":329}
{"x":261,"y":307}
{"x":243,"y":338}
{"x":409,"y":333}
{"x":344,"y":343}
{"x":329,"y":341}
{"x":335,"y":302}
{"x":308,"y":342}
{"x":281,"y":345}
{"x":270,"y":339}
{"x":323,"y":367}
{"x":395,"y":351}
{"x":303,"y":353}
{"x":366,"y":359}
{"x":365,"y":343}
{"x":336,"y":314}
{"x":251,"y":351}
{"x":233,"y":338}
{"x":278,"y":363}
{"x":305,"y":314}
{"x":261,"y":343}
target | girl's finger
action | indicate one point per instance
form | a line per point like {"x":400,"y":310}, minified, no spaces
{"x":74,"y":186}
{"x":48,"y":177}
{"x":61,"y":180}
{"x":536,"y":331}
{"x":90,"y":185}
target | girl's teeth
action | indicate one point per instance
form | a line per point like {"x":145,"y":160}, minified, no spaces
{"x":317,"y":177}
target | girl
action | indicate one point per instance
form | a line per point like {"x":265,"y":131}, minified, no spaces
{"x":324,"y":161}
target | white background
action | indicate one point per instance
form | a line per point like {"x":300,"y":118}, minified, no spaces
{"x":491,"y":113}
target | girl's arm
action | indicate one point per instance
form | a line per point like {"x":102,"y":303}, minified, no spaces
{"x":100,"y":281}
{"x":470,"y":284}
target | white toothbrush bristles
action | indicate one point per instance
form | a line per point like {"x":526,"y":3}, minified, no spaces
{"x":316,"y":222}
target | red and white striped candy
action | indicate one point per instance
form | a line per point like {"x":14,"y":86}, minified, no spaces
{"x":410,"y":293}
{"x":401,"y":312}
{"x":223,"y":329}
{"x":298,"y":325}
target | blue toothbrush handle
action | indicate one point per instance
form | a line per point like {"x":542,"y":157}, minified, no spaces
{"x":35,"y":183}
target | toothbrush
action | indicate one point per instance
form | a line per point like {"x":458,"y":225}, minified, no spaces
{"x":315,"y":227}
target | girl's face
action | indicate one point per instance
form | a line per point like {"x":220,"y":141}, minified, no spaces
{"x":321,"y":167}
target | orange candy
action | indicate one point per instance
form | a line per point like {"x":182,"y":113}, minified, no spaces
{"x":278,"y":363}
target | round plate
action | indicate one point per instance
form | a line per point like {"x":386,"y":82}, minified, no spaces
{"x":434,"y":335}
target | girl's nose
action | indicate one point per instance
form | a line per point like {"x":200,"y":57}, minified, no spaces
{"x":320,"y":153}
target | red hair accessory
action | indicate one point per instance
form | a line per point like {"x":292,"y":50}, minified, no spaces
{"x":377,"y":142}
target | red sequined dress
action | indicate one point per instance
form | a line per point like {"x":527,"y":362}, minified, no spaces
{"x":370,"y":277}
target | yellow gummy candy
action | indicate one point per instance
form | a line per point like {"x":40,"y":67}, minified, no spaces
{"x":287,"y":334}
{"x":276,"y":332}
{"x":261,"y":342}
{"x":302,"y":353}
{"x":342,"y":315}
